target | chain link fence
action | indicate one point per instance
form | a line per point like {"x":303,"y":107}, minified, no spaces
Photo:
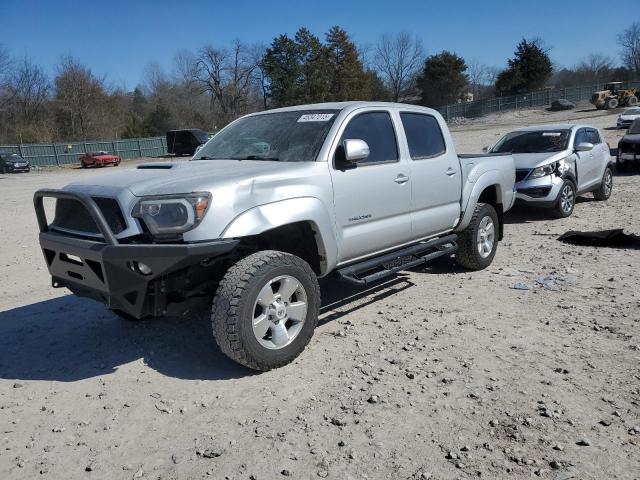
{"x":540,"y":98}
{"x":56,"y":154}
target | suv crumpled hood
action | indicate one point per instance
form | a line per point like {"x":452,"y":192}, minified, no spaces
{"x":533,"y":160}
{"x":185,"y":177}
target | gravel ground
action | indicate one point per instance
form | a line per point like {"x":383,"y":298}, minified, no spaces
{"x":438,"y":373}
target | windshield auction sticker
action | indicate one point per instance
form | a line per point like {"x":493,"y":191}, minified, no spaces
{"x":551,"y":134}
{"x":315,"y":117}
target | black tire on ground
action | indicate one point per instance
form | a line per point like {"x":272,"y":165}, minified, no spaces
{"x":566,"y":201}
{"x":236,"y":303}
{"x":611,"y":103}
{"x":632,"y":101}
{"x":469,"y":255}
{"x":606,"y":186}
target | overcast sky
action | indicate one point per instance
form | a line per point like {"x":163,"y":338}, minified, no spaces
{"x":118,"y":38}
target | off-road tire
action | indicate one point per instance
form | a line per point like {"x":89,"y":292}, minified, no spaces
{"x":610,"y":103}
{"x":558,"y":212}
{"x":632,"y":101}
{"x":468,"y":255}
{"x":603,"y":193}
{"x":233,"y":303}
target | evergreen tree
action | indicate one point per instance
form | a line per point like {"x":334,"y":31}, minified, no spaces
{"x":281,"y":64}
{"x":348,"y":78}
{"x":315,"y":80}
{"x":443,"y":80}
{"x":529,"y":70}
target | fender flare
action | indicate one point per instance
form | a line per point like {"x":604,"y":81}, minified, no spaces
{"x":266,"y":217}
{"x":472,"y":192}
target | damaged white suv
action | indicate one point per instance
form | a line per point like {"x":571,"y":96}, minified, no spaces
{"x":556,"y":163}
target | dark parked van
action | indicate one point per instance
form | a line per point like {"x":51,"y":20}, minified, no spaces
{"x":185,"y":142}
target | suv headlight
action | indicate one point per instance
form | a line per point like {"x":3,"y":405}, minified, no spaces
{"x":170,"y":214}
{"x":544,"y":170}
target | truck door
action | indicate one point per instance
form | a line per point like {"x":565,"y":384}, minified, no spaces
{"x":436,"y":185}
{"x":372,"y":200}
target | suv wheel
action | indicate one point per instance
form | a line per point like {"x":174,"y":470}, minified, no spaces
{"x":478,"y":242}
{"x":606,"y":186}
{"x":566,"y":200}
{"x":266,"y":309}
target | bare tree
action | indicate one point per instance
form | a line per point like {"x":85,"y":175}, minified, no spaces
{"x":629,"y":40}
{"x":28,"y":89}
{"x":596,"y":67}
{"x":477,"y":73}
{"x":398,"y":58}
{"x":6,"y":68}
{"x":228,"y":76}
{"x":80,"y":96}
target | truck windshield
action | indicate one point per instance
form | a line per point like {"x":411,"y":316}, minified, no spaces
{"x":540,"y":141}
{"x":294,"y":136}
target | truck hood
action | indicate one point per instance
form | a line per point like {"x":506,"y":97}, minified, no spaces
{"x":184,"y":177}
{"x":533,"y":160}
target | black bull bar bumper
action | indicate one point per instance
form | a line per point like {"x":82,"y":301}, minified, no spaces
{"x":113,"y":272}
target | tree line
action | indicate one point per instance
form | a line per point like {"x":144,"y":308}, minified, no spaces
{"x":214,"y":85}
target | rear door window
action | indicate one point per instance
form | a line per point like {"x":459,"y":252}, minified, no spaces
{"x":424,"y":136}
{"x":375,"y":128}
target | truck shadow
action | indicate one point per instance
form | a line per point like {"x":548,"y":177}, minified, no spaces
{"x":67,"y":339}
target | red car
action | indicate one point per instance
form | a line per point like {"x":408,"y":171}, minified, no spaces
{"x":99,"y":159}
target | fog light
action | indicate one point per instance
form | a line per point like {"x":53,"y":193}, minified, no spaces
{"x":142,"y":268}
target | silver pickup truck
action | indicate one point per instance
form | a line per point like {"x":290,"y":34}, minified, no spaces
{"x":359,"y":190}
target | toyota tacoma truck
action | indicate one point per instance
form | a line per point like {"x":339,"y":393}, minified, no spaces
{"x":275,"y":200}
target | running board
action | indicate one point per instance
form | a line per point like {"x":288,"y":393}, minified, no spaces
{"x":374,"y":269}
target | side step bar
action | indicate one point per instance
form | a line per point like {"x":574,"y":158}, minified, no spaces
{"x":374,"y":269}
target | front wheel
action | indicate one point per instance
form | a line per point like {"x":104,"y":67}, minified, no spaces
{"x":266,"y":309}
{"x":478,"y":242}
{"x":606,"y":186}
{"x":566,"y":200}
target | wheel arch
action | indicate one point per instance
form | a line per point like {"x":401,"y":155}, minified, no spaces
{"x":276,"y":224}
{"x":487,"y":189}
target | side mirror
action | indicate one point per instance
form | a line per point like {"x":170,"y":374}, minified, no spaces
{"x":355,"y":150}
{"x":584,"y":147}
{"x":486,"y":149}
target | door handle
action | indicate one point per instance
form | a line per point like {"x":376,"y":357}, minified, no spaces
{"x":450,"y":171}
{"x":401,"y":178}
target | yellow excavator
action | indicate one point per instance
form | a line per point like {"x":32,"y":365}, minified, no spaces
{"x":614,"y":96}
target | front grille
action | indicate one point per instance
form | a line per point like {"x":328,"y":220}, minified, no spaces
{"x":72,"y":216}
{"x":522,"y":174}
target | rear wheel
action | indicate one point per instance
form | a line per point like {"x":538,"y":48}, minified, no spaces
{"x":266,"y":309}
{"x":632,"y":101}
{"x":606,"y":186}
{"x":478,"y":242}
{"x":566,"y":200}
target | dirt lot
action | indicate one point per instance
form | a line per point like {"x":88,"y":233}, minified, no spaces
{"x":439,"y":373}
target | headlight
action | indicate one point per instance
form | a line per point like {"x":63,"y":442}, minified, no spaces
{"x":544,"y":170}
{"x":172,"y":213}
